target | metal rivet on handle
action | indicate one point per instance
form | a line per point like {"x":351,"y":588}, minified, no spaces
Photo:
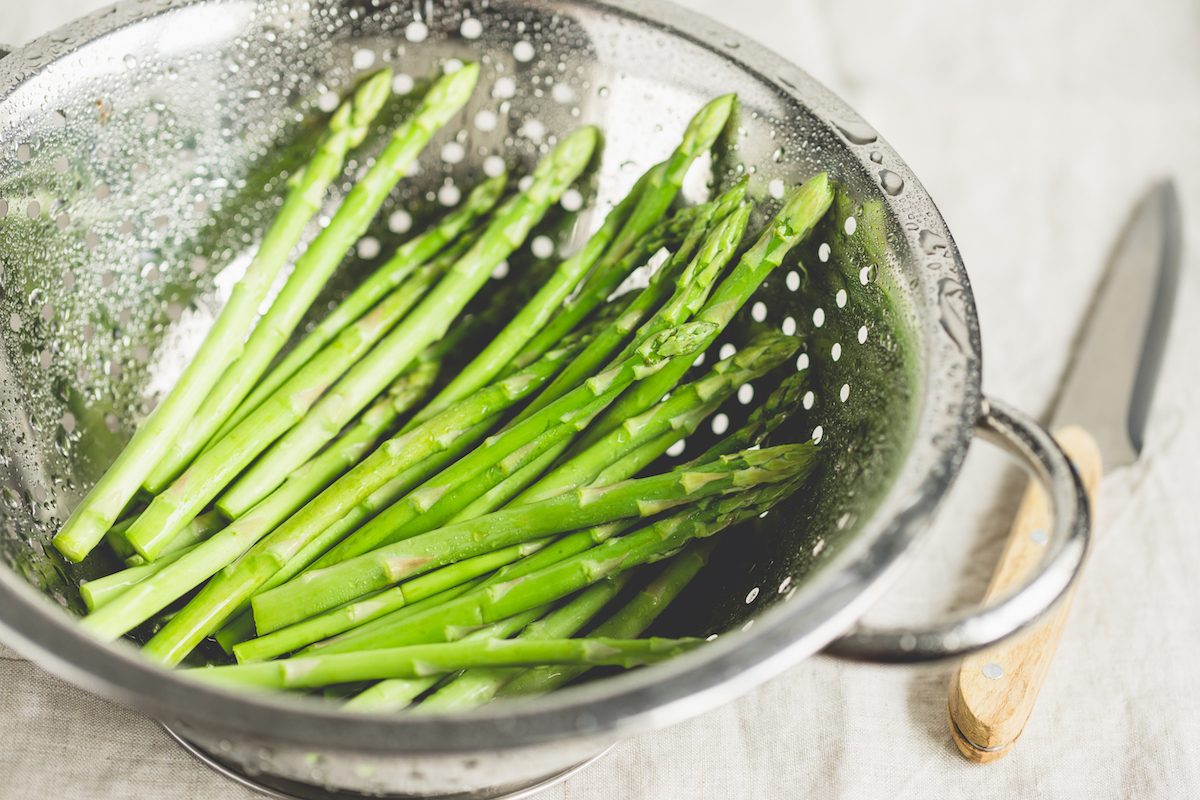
{"x":992,"y":670}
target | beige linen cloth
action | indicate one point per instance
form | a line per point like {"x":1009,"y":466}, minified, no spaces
{"x":1034,"y":125}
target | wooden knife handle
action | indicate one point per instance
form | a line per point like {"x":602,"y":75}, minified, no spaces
{"x":993,"y":692}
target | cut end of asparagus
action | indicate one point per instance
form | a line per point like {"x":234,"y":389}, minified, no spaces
{"x":79,"y":536}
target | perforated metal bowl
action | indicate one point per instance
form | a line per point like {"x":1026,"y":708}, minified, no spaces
{"x":139,"y":150}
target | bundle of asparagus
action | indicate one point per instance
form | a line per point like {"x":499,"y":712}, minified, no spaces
{"x":361,"y":512}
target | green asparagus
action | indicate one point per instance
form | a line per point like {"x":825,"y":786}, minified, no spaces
{"x":396,"y":269}
{"x":477,"y":686}
{"x":224,"y":597}
{"x":213,"y":470}
{"x":799,"y":215}
{"x":445,"y":97}
{"x":313,"y":592}
{"x":423,"y":660}
{"x":224,"y":343}
{"x":629,"y":622}
{"x":151,"y":595}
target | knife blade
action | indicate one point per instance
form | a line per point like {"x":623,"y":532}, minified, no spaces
{"x":1099,"y":416}
{"x":1109,"y":382}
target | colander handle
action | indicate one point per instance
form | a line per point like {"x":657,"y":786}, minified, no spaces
{"x":973,"y":630}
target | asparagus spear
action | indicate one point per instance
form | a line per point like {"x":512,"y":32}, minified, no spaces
{"x":763,"y":354}
{"x":151,"y":595}
{"x":405,"y":596}
{"x":445,"y":97}
{"x":97,"y":592}
{"x":504,"y":597}
{"x":204,"y":479}
{"x":223,"y":344}
{"x":404,"y":261}
{"x":534,"y":313}
{"x":751,"y":434}
{"x":444,"y":495}
{"x":692,"y":277}
{"x":319,"y":590}
{"x":628,"y":623}
{"x":398,"y":693}
{"x":693,"y":286}
{"x":197,"y":530}
{"x":241,"y":628}
{"x":424,"y":660}
{"x":652,"y":202}
{"x":475,"y":687}
{"x":763,"y":421}
{"x":656,"y":199}
{"x":115,"y":537}
{"x":224,"y":597}
{"x":427,"y":323}
{"x":800,"y":213}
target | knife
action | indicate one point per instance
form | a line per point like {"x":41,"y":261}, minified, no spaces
{"x":1099,"y":417}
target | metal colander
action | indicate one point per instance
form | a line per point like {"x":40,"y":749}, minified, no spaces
{"x":140,"y":157}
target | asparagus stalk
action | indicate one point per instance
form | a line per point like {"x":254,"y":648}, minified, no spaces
{"x":115,"y":537}
{"x":692,"y":277}
{"x":630,"y":622}
{"x":154,"y":593}
{"x":764,"y":420}
{"x":653,"y":199}
{"x":424,"y":660}
{"x":222,"y":598}
{"x":427,"y":323}
{"x":445,"y":97}
{"x":549,"y":554}
{"x":476,"y":687}
{"x":398,"y":693}
{"x":504,"y":597}
{"x":660,"y":192}
{"x":404,"y":261}
{"x":444,"y":495}
{"x":799,"y":215}
{"x":241,"y":628}
{"x":224,"y":343}
{"x":534,"y":314}
{"x":204,"y":479}
{"x":316,"y":591}
{"x":512,"y":482}
{"x":405,"y":596}
{"x":197,"y":530}
{"x":762,"y":355}
{"x":97,"y":592}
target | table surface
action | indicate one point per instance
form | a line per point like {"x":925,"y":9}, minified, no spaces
{"x":1034,"y":125}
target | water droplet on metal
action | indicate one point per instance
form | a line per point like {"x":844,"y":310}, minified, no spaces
{"x":857,"y":132}
{"x":930,"y":242}
{"x":892,"y":183}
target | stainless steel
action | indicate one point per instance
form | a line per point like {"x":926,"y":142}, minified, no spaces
{"x":285,"y":789}
{"x":139,"y":145}
{"x":976,"y":629}
{"x":1114,"y":365}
